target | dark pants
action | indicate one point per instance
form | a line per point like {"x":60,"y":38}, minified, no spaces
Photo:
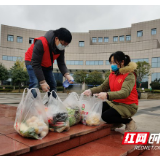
{"x":33,"y":82}
{"x":110,"y":115}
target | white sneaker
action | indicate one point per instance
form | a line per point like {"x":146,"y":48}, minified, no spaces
{"x":131,"y":126}
{"x":116,"y":125}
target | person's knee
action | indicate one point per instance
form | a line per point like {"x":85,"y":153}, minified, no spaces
{"x":106,"y":118}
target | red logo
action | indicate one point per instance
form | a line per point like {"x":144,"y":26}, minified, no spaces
{"x":135,"y":138}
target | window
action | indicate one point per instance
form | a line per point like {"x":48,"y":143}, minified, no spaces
{"x":107,"y":62}
{"x":156,"y":62}
{"x":121,"y":38}
{"x":106,"y":39}
{"x":14,"y":58}
{"x":139,"y":33}
{"x":128,"y":37}
{"x":94,"y":39}
{"x":10,"y":38}
{"x":55,"y":61}
{"x":115,"y":39}
{"x":153,"y":31}
{"x":19,"y":39}
{"x":9,"y":58}
{"x":155,"y":76}
{"x":94,"y":62}
{"x":4,"y":58}
{"x":74,"y":62}
{"x":100,"y":39}
{"x":140,"y":60}
{"x":81,"y":43}
{"x":31,"y":40}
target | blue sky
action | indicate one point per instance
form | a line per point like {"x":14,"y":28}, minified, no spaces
{"x":76,"y":18}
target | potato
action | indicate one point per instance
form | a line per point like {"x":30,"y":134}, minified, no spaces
{"x":45,"y":128}
{"x":43,"y":133}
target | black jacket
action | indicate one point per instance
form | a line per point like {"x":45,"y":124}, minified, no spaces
{"x":37,"y":56}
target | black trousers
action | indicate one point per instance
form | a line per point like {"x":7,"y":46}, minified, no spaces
{"x":110,"y":115}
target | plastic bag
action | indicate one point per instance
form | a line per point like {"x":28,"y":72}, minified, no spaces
{"x":91,"y":110}
{"x":31,"y":120}
{"x":73,"y":108}
{"x":57,"y":115}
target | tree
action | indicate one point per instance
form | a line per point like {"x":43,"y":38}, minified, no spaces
{"x":143,"y":70}
{"x":107,"y":74}
{"x":3,"y":72}
{"x":94,"y":78}
{"x":80,"y":76}
{"x":19,"y":73}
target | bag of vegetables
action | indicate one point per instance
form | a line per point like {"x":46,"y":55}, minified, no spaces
{"x":73,"y":108}
{"x":91,"y":110}
{"x":31,"y":120}
{"x":57,"y":115}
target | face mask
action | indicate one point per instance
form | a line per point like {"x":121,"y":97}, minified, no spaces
{"x":60,"y":47}
{"x":114,"y":67}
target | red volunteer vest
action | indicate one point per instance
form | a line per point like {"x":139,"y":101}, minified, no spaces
{"x":115,"y":83}
{"x":46,"y":60}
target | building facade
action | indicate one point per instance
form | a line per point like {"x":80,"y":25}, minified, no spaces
{"x":91,"y":50}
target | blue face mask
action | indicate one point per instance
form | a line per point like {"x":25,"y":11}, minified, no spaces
{"x":114,"y":67}
{"x":60,"y":47}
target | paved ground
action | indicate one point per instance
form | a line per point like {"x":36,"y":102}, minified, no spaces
{"x":147,"y":118}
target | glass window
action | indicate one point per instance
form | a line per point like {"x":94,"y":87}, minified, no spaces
{"x":115,"y":39}
{"x":71,"y":62}
{"x":156,"y":62}
{"x":14,"y":58}
{"x":140,"y":60}
{"x":76,"y":62}
{"x":106,"y":39}
{"x":153,"y":31}
{"x":107,"y":62}
{"x":81,"y":43}
{"x":128,"y":37}
{"x":100,"y":62}
{"x":68,"y":62}
{"x":87,"y":62}
{"x":10,"y":58}
{"x":139,"y":33}
{"x":155,"y":76}
{"x":4,"y":58}
{"x":31,"y":40}
{"x":94,"y":39}
{"x":91,"y":62}
{"x":100,"y":39}
{"x":146,"y":59}
{"x":121,"y":38}
{"x":10,"y":38}
{"x":80,"y":62}
{"x":96,"y":62}
{"x":19,"y":39}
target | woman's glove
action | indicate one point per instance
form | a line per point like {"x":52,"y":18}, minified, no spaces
{"x":45,"y":87}
{"x":87,"y":92}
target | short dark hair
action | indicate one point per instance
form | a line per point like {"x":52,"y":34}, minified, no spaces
{"x":119,"y":56}
{"x":63,"y":34}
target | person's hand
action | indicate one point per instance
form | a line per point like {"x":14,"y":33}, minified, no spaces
{"x":87,"y":92}
{"x":69,"y":78}
{"x":45,"y":87}
{"x":102,"y":95}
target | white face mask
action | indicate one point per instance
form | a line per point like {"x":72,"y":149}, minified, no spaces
{"x":61,"y":47}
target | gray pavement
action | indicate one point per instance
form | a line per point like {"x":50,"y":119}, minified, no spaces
{"x":147,"y":118}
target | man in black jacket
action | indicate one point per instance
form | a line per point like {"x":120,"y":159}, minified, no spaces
{"x":40,"y":57}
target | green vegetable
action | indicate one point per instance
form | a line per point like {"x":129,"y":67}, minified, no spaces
{"x":73,"y":115}
{"x":28,"y":132}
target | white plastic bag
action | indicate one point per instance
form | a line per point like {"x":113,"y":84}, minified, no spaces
{"x":73,"y":108}
{"x":57,"y":115}
{"x":31,"y":120}
{"x":91,"y":110}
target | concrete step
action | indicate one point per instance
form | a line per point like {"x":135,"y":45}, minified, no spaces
{"x":110,"y":145}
